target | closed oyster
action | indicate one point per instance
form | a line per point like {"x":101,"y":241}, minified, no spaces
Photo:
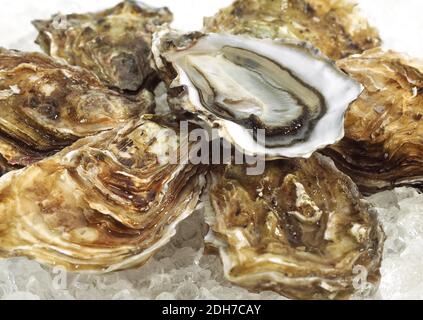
{"x":108,"y":202}
{"x":333,"y":26}
{"x":269,"y":98}
{"x":115,"y":44}
{"x":45,"y":106}
{"x":383,"y":144}
{"x":300,"y":229}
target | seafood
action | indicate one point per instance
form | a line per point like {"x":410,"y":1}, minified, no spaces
{"x":106,"y":203}
{"x":46,"y":106}
{"x":300,"y":229}
{"x":383,"y":144}
{"x":269,"y":98}
{"x":333,"y":26}
{"x":115,"y":44}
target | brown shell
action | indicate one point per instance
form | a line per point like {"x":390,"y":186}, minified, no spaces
{"x":333,"y":26}
{"x":383,"y":144}
{"x":46,"y":106}
{"x":299,"y":229}
{"x":115,"y":43}
{"x":106,"y":203}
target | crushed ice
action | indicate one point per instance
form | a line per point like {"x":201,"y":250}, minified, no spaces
{"x":401,"y":214}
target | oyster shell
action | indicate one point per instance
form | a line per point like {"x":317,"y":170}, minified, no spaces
{"x":115,"y":44}
{"x":5,"y":166}
{"x":108,"y":202}
{"x":241,"y":85}
{"x":45,"y":106}
{"x":300,"y":229}
{"x":333,"y":26}
{"x":383,"y":144}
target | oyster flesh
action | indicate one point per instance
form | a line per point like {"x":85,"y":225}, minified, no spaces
{"x":333,"y":26}
{"x":106,"y":203}
{"x":268,"y":98}
{"x":383,"y":144}
{"x":300,"y":229}
{"x":115,"y":44}
{"x":46,"y":106}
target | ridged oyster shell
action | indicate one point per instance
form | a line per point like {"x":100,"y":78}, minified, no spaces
{"x":46,"y":106}
{"x":333,"y":26}
{"x":300,"y":229}
{"x":106,"y":203}
{"x":383,"y":144}
{"x":241,"y":85}
{"x":115,"y":43}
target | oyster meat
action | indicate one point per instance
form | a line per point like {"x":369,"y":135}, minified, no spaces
{"x":115,"y":44}
{"x":300,"y":229}
{"x":269,"y":98}
{"x":383,"y":144}
{"x":46,"y":106}
{"x":106,"y":203}
{"x":333,"y":26}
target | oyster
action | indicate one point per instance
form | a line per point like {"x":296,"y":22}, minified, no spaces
{"x":108,"y":202}
{"x":333,"y":26}
{"x":45,"y":106}
{"x":383,"y":144}
{"x":269,"y":98}
{"x":115,"y":44}
{"x":300,"y":229}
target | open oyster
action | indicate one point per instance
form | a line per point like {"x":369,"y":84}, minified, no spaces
{"x":108,"y":202}
{"x":272,"y":98}
{"x":45,"y":106}
{"x":383,"y":144}
{"x":333,"y":26}
{"x":115,"y":44}
{"x":300,"y":229}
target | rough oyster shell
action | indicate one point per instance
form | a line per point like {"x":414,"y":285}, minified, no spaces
{"x":115,"y":44}
{"x":300,"y":229}
{"x":45,"y":106}
{"x":5,"y":166}
{"x":333,"y":26}
{"x":383,"y":144}
{"x":108,"y":202}
{"x":241,"y":84}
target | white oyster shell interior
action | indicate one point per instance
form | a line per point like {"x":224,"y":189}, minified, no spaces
{"x":240,"y":84}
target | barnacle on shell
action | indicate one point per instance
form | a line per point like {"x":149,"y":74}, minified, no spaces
{"x":115,"y":43}
{"x":300,"y":229}
{"x":46,"y":106}
{"x":108,"y":202}
{"x":333,"y":26}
